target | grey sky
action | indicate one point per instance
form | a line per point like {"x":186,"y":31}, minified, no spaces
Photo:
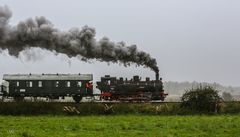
{"x":191,"y":40}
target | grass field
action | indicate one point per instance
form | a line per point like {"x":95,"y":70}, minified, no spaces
{"x":113,"y":126}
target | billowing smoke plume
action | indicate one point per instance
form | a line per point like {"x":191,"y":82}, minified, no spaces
{"x":40,"y":33}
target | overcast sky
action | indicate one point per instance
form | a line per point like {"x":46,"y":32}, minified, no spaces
{"x":191,"y":40}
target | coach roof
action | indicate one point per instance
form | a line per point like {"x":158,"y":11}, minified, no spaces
{"x":9,"y":77}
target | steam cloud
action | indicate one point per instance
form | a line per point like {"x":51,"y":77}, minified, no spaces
{"x":40,"y":33}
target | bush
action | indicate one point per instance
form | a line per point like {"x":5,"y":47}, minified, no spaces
{"x":232,"y":108}
{"x":227,"y":96}
{"x":201,"y":99}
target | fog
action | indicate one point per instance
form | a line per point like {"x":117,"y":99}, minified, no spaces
{"x":191,"y":40}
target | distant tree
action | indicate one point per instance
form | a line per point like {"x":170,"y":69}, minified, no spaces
{"x":201,"y":99}
{"x":227,"y":96}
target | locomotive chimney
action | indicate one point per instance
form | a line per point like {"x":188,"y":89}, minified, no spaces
{"x":157,"y":76}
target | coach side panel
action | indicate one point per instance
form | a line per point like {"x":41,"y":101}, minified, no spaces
{"x":48,"y":88}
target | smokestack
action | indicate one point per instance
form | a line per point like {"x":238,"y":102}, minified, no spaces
{"x":80,"y":43}
{"x":157,"y":76}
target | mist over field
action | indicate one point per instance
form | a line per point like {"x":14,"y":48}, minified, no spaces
{"x":178,"y":88}
{"x":190,"y":40}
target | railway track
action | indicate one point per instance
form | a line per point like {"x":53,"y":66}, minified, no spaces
{"x":95,"y":102}
{"x":90,"y":101}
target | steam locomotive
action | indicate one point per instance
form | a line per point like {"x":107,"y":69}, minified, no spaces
{"x":77,"y":86}
{"x":131,"y":90}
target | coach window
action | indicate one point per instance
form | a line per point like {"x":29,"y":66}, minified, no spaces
{"x":39,"y":83}
{"x":29,"y":83}
{"x":17,"y":84}
{"x":68,"y":84}
{"x":79,"y":84}
{"x":57,"y":83}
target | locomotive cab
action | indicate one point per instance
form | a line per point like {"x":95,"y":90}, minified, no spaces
{"x":4,"y":88}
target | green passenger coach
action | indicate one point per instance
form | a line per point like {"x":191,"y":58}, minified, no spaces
{"x":52,"y":86}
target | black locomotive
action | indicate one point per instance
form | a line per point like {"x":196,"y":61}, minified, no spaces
{"x":131,"y":90}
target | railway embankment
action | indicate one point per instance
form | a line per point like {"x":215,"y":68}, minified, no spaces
{"x":107,"y":108}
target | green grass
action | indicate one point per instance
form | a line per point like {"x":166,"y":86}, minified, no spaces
{"x":120,"y":125}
